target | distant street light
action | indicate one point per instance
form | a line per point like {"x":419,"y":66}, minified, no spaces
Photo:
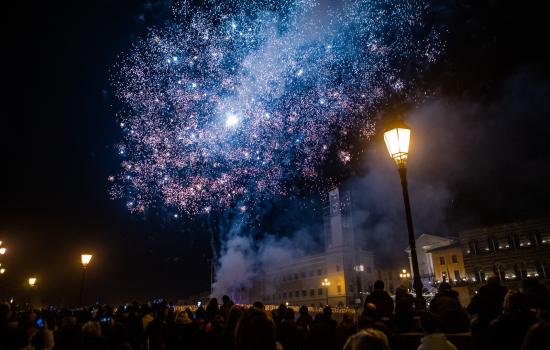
{"x":325,"y":284}
{"x":397,"y":139}
{"x":32,"y":281}
{"x":84,"y":260}
{"x":2,"y":271}
{"x":2,"y":250}
{"x":404,"y":274}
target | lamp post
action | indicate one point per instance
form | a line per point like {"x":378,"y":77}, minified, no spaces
{"x":397,"y":139}
{"x":84,"y":260}
{"x":325,"y":284}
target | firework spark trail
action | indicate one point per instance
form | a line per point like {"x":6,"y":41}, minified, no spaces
{"x":236,"y":100}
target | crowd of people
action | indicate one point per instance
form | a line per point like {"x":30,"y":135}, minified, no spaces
{"x":496,"y":318}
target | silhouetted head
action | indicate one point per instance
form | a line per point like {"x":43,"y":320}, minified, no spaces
{"x":255,"y":330}
{"x":370,"y":311}
{"x":378,"y":285}
{"x":514,"y":301}
{"x":368,"y":339}
{"x":303,"y":310}
{"x":327,"y":312}
{"x":493,"y":281}
{"x":289,"y":315}
{"x":429,"y":322}
{"x":226,"y":299}
{"x":259,"y":305}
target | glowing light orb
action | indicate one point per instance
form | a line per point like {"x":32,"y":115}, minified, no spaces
{"x":231,"y":120}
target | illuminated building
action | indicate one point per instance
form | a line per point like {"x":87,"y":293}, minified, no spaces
{"x":426,"y":244}
{"x":345,"y":264}
{"x":512,"y":251}
{"x":448,"y":263}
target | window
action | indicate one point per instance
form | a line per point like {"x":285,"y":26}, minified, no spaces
{"x":492,"y":244}
{"x":339,"y":288}
{"x":454,"y":259}
{"x":304,"y":293}
{"x":284,"y":295}
{"x":319,"y":272}
{"x":474,"y":247}
{"x":303,"y":274}
{"x":297,"y":293}
{"x":513,"y":241}
{"x":337,"y":268}
{"x":290,"y":277}
{"x":480,"y":275}
{"x":499,"y":271}
{"x":457,"y":275}
{"x":368,"y":270}
{"x":295,"y":276}
{"x":442,"y":260}
{"x":311,"y":292}
{"x":320,"y":291}
{"x":311,"y":273}
{"x":535,"y":239}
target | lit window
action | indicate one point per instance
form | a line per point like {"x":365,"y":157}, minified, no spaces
{"x":454,"y":259}
{"x":339,"y":288}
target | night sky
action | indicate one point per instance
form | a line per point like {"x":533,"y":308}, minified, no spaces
{"x":60,"y":131}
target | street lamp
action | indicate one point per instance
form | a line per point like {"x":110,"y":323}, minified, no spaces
{"x":84,"y":260}
{"x":32,"y":281}
{"x":2,"y":250}
{"x":397,"y":139}
{"x":2,"y":271}
{"x":325,"y":284}
{"x":404,"y":274}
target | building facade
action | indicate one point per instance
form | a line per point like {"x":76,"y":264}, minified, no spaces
{"x":512,"y":252}
{"x":345,"y":264}
{"x":426,"y":245}
{"x":448,"y":264}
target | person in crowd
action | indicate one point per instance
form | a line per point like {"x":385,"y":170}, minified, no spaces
{"x":156,"y":331}
{"x":323,"y":331}
{"x":507,"y":330}
{"x":367,"y":339}
{"x":256,"y":331}
{"x":288,"y":333}
{"x":345,"y":329}
{"x":486,"y":305}
{"x":382,"y":300}
{"x":537,"y":296}
{"x":92,"y":339}
{"x":446,"y":306}
{"x":537,"y":337}
{"x":403,"y":319}
{"x":212,"y":309}
{"x":259,"y":305}
{"x":226,"y":306}
{"x":304,"y":319}
{"x":68,"y":333}
{"x":433,"y":339}
{"x":370,"y":318}
{"x":279,"y":314}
